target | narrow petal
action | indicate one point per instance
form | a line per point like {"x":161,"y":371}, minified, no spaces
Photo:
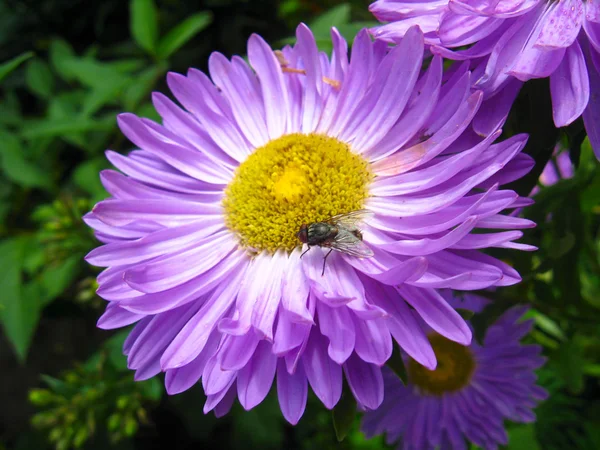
{"x":185,"y":159}
{"x":324,"y":375}
{"x":591,"y":114}
{"x":365,"y":381}
{"x":256,"y":378}
{"x":117,"y":317}
{"x":403,"y":326}
{"x":295,"y":289}
{"x":373,"y":340}
{"x":169,"y":271}
{"x":437,"y":313}
{"x":570,"y":87}
{"x":292,"y":392}
{"x":192,"y":338}
{"x":561,"y":24}
{"x":274,"y":94}
{"x":337,"y":325}
{"x":154,"y":244}
{"x":183,"y":378}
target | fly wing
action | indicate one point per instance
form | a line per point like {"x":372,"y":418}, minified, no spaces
{"x":351,"y":219}
{"x":346,"y":242}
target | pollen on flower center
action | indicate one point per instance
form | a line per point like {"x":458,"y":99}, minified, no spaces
{"x":455,"y":366}
{"x":295,"y":179}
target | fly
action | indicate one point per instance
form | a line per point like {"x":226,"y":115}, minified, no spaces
{"x":337,"y":233}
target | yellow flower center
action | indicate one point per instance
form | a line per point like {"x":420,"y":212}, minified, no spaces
{"x":295,"y":179}
{"x":455,"y":367}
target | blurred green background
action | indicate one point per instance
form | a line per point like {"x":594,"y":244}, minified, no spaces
{"x":68,"y":67}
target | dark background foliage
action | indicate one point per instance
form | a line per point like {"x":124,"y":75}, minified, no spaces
{"x":69,"y":66}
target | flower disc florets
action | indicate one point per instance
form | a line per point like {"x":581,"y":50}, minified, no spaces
{"x":455,"y":365}
{"x":293,"y":180}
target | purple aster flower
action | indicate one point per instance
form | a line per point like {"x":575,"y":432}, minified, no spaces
{"x":470,"y":394}
{"x":200,"y":234}
{"x":512,"y":40}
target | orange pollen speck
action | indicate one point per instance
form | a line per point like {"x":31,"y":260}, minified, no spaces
{"x":284,"y":67}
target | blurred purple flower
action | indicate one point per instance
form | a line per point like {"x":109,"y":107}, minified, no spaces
{"x":524,"y":39}
{"x":200,"y":232}
{"x":470,"y":394}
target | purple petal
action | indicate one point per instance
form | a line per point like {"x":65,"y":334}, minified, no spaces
{"x":266,"y":305}
{"x":365,"y":381}
{"x":292,"y":392}
{"x":117,"y":317}
{"x":383,"y":103}
{"x":232,"y":266}
{"x":169,"y":271}
{"x":158,"y":174}
{"x":295,"y":289}
{"x":561,"y":24}
{"x":417,"y":112}
{"x":591,"y":115}
{"x":337,"y":325}
{"x":215,"y":380}
{"x":402,"y":324}
{"x":256,"y":378}
{"x":236,"y":351}
{"x":187,"y":126}
{"x":192,"y":338}
{"x":311,"y":101}
{"x":165,"y":212}
{"x":373,"y":340}
{"x":246,"y":104}
{"x":183,"y":378}
{"x":154,"y":244}
{"x":436,"y":312}
{"x":324,"y":375}
{"x":494,"y":111}
{"x":570,"y":87}
{"x":274,"y":93}
{"x":145,"y":135}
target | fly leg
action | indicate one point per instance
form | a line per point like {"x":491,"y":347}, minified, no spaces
{"x":304,"y":252}
{"x":325,"y":259}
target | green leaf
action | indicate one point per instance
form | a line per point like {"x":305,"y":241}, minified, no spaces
{"x":343,"y":414}
{"x":152,"y":389}
{"x":335,"y":17}
{"x":570,"y":362}
{"x":39,"y":78}
{"x":99,"y":97}
{"x":396,"y":363}
{"x":10,"y":109}
{"x":182,"y":33}
{"x":59,"y":127}
{"x":56,"y":385}
{"x":12,"y":64}
{"x":144,"y":23}
{"x":55,"y":279}
{"x":16,"y":167}
{"x":60,"y":54}
{"x":114,"y":348}
{"x":95,"y":74}
{"x":86,"y":176}
{"x":465,"y":313}
{"x":522,"y":437}
{"x":349,"y":30}
{"x":19,"y":312}
{"x":142,"y":86}
{"x":547,"y":324}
